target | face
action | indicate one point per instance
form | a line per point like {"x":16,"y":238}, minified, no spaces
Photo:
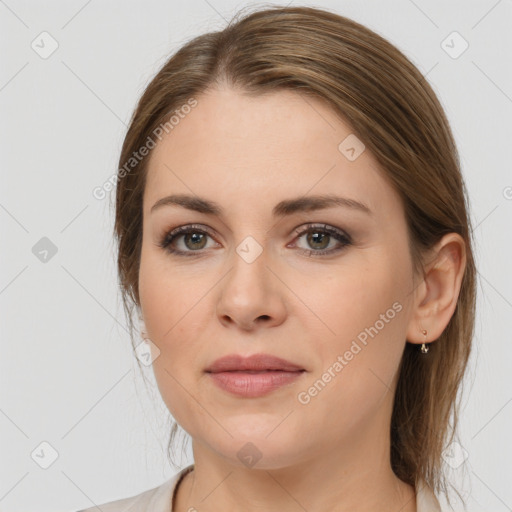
{"x":328,"y":289}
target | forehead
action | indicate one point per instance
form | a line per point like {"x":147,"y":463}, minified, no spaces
{"x":246,"y":149}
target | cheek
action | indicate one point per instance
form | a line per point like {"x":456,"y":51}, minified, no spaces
{"x":172,"y":310}
{"x":349,"y":300}
{"x":355,"y":366}
{"x":167,"y":299}
{"x":361,"y":314}
{"x":367,"y":310}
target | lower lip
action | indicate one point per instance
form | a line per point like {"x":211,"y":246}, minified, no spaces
{"x":252,"y":385}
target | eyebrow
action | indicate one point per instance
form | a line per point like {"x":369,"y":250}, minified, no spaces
{"x":283,"y":208}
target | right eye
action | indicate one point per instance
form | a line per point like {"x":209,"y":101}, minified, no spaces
{"x":194,"y":238}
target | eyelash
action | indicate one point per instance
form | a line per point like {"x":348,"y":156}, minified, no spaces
{"x":344,"y":239}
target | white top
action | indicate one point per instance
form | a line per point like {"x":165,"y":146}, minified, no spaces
{"x":160,"y":499}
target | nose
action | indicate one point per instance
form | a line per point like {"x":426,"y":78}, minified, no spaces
{"x":252,"y":293}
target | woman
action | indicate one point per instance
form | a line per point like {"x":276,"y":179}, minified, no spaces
{"x":293,"y":234}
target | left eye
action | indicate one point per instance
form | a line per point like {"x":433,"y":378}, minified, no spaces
{"x":194,"y":238}
{"x":318,"y":234}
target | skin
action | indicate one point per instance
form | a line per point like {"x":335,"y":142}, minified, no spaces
{"x":247,"y":154}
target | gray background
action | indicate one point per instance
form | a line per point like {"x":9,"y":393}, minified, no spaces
{"x":68,"y":375}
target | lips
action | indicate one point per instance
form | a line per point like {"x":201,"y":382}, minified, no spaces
{"x":254,"y":376}
{"x":254,"y":363}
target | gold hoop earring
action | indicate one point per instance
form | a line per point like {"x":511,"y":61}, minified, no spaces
{"x":424,"y":346}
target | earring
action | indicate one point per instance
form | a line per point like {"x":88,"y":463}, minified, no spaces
{"x":424,"y":346}
{"x":142,"y":329}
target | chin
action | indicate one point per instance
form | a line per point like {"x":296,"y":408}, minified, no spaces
{"x":257,"y":450}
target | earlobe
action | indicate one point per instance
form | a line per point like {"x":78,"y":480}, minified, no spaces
{"x":441,"y":285}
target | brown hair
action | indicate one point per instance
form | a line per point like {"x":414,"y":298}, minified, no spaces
{"x":394,"y":111}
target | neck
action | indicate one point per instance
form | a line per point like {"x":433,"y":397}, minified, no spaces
{"x":356,"y":478}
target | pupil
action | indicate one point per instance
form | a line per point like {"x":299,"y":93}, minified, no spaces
{"x":315,"y":236}
{"x":195,"y":237}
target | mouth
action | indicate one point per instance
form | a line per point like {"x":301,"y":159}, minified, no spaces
{"x":256,"y":363}
{"x":254,"y":383}
{"x":253,"y":376}
{"x":260,"y":371}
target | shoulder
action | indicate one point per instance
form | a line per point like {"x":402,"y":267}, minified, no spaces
{"x":157,"y":499}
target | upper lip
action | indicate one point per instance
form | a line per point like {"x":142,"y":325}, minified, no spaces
{"x":236,"y":362}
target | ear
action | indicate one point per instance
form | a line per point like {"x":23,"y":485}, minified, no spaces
{"x":437,"y":293}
